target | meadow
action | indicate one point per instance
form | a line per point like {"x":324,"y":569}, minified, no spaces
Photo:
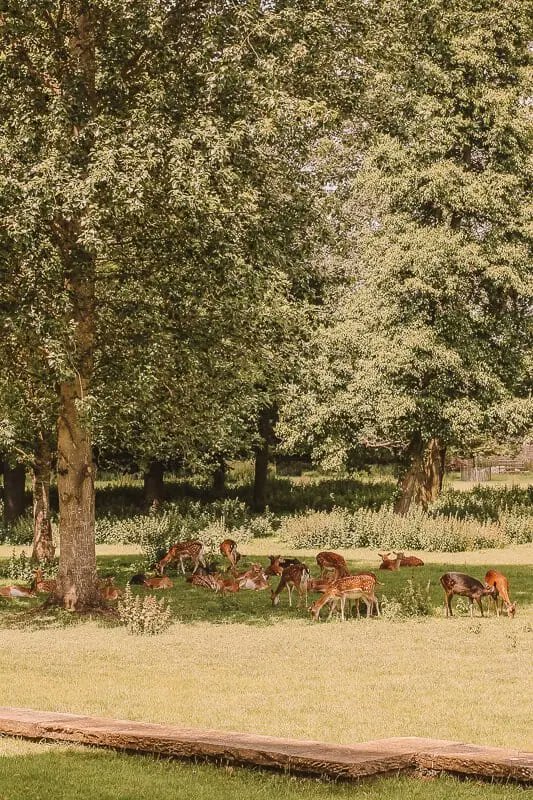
{"x":233,"y":662}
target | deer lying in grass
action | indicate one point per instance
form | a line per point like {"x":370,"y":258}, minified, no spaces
{"x":216,"y":583}
{"x":108,"y":590}
{"x":254,"y":579}
{"x":498,"y":581}
{"x":329,"y":563}
{"x":295,"y":576}
{"x":16,"y":591}
{"x":350,"y":587}
{"x":41,"y":585}
{"x":193,"y":550}
{"x":228,"y":548}
{"x":158,"y":582}
{"x":465,"y":586}
{"x":392,"y":564}
{"x":409,"y":561}
{"x":278,"y":564}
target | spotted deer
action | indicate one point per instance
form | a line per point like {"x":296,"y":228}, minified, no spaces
{"x":16,"y":591}
{"x":228,"y":548}
{"x":465,"y":586}
{"x":193,"y":550}
{"x":331,"y":563}
{"x":41,"y":585}
{"x":254,"y":579}
{"x":278,"y":564}
{"x":350,"y":587}
{"x":499,"y":582}
{"x":216,"y":583}
{"x":392,"y":564}
{"x":295,"y":576}
{"x":410,"y":561}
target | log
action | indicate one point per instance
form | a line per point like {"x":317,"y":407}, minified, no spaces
{"x":355,"y":761}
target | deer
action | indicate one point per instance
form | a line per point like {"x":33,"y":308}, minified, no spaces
{"x":254,"y":579}
{"x":465,"y":586}
{"x":228,"y":548}
{"x":41,"y":585}
{"x":294,"y":576}
{"x":194,"y":550}
{"x":108,"y":590}
{"x":349,"y":587}
{"x":410,"y":561}
{"x":278,"y":564}
{"x":16,"y":591}
{"x":392,"y":564}
{"x":331,"y":562}
{"x":214,"y":582}
{"x":499,"y":582}
{"x":158,"y":582}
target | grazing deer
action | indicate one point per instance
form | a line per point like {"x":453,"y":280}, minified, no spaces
{"x":319,"y":585}
{"x":392,"y":564}
{"x":499,"y":582}
{"x":159,"y":582}
{"x":228,"y":548}
{"x":465,"y":586}
{"x":331,"y":562}
{"x":350,"y":587}
{"x":278,"y":564}
{"x":409,"y":561}
{"x":41,"y":585}
{"x":295,"y":576}
{"x":16,"y":591}
{"x":194,"y":550}
{"x":254,"y":579}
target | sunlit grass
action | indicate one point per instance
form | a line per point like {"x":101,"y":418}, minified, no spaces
{"x":66,"y":773}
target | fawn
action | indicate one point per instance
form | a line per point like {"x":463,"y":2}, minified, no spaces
{"x":350,"y":587}
{"x":295,"y":576}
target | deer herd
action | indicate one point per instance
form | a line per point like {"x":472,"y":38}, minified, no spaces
{"x":336,"y":584}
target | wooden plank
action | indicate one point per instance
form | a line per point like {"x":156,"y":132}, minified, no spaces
{"x":372,"y":758}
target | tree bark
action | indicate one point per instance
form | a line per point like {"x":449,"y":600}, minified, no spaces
{"x":422,"y":482}
{"x":219,"y":477}
{"x":262,"y":453}
{"x":14,"y":492}
{"x":154,"y":486}
{"x":43,"y":546}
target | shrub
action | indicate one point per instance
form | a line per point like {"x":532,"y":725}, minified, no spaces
{"x":415,"y":599}
{"x":19,"y":568}
{"x":143,"y":616}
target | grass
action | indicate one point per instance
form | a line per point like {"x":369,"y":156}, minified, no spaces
{"x":59,"y":772}
{"x":274,"y":671}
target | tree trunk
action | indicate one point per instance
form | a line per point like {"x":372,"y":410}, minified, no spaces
{"x":154,"y":487}
{"x":14,"y":489}
{"x":43,"y":546}
{"x":262,"y":452}
{"x":422,"y":482}
{"x":219,"y":477}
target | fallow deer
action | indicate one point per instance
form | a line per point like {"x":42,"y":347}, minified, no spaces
{"x":498,"y":581}
{"x":392,"y":564}
{"x":350,"y":587}
{"x":465,"y":586}
{"x":410,"y":561}
{"x":193,"y":550}
{"x":215,"y":583}
{"x":228,"y":548}
{"x":278,"y":564}
{"x":41,"y":585}
{"x":254,"y":579}
{"x":16,"y":591}
{"x":319,"y":585}
{"x":158,"y":582}
{"x":108,"y":590}
{"x":331,"y":563}
{"x":295,"y":576}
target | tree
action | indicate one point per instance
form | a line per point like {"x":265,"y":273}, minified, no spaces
{"x":428,"y":337}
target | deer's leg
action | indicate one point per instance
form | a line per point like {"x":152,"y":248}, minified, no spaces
{"x":448,"y":605}
{"x":289,"y":589}
{"x":480,"y":604}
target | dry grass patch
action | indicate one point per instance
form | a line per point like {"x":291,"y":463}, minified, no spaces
{"x":453,"y":679}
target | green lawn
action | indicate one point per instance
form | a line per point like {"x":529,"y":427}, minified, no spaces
{"x":97,"y":775}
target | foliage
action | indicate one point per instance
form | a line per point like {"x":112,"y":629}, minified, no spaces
{"x":415,"y":599}
{"x":485,"y":503}
{"x":19,"y":568}
{"x":416,"y":530}
{"x":143,"y":615}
